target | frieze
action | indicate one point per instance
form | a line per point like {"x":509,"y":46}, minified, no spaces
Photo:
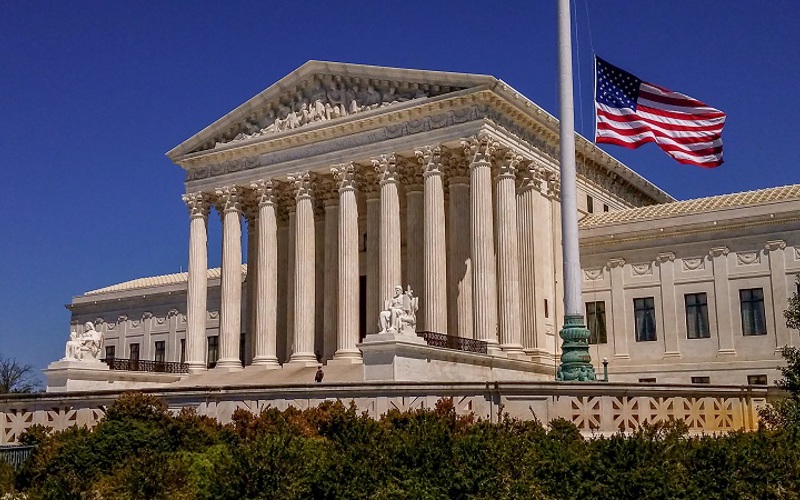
{"x":325,"y":98}
{"x":748,"y":258}
{"x":694,"y":264}
{"x":593,"y":274}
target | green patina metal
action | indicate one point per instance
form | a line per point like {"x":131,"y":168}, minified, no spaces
{"x":576,"y":363}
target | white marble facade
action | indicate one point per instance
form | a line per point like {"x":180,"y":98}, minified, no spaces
{"x":350,"y":180}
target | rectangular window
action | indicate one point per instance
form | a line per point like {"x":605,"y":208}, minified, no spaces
{"x":701,"y":380}
{"x":111,"y":352}
{"x":596,"y":322}
{"x":696,"y":315}
{"x":183,"y":350}
{"x":589,"y":204}
{"x":546,"y":309}
{"x":161,"y":351}
{"x":644,"y":311}
{"x":754,"y":321}
{"x":134,"y":349}
{"x":213,"y":351}
{"x":647,"y":381}
{"x":756,"y":380}
{"x":242,"y":347}
{"x":605,"y":207}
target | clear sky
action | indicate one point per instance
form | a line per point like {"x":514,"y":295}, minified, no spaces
{"x":92,"y":94}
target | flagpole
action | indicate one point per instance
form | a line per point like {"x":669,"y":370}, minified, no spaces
{"x":575,"y":359}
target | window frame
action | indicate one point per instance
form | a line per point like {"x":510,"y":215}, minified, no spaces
{"x":647,"y":307}
{"x":752,"y":309}
{"x":698,"y":318}
{"x":596,"y":337}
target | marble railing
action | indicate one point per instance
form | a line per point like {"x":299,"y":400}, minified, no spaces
{"x":596,"y":408}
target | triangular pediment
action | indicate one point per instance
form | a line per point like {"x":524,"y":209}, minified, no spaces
{"x":320,"y":91}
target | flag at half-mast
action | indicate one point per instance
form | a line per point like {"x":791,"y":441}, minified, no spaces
{"x":631,"y":112}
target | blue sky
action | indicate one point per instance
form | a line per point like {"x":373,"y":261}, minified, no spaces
{"x":92,"y":94}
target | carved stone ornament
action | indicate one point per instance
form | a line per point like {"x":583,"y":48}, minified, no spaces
{"x":508,"y":167}
{"x":643,"y":269}
{"x":302,"y":183}
{"x":613,"y":263}
{"x":400,"y":313}
{"x":457,"y":169}
{"x":665,"y":257}
{"x":198,"y":203}
{"x":479,"y":149}
{"x":345,"y":175}
{"x":748,"y":258}
{"x":264,"y":192}
{"x":593,"y":274}
{"x":228,"y":198}
{"x":324,"y":98}
{"x":386,"y":168}
{"x":773,"y":245}
{"x":431,"y":160}
{"x":718,"y":251}
{"x":797,"y":253}
{"x":694,"y":264}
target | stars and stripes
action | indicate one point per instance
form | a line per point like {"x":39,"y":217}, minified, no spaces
{"x":631,"y":112}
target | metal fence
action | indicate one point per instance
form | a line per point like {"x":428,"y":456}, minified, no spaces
{"x":16,"y":455}
{"x":453,"y":342}
{"x":144,"y":365}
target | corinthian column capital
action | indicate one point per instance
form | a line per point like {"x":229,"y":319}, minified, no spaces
{"x":386,"y":167}
{"x":345,"y":176}
{"x":229,"y":198}
{"x":431,"y":159}
{"x":198,"y":203}
{"x":479,"y":149}
{"x":509,"y":165}
{"x":302,"y":183}
{"x":265,"y":192}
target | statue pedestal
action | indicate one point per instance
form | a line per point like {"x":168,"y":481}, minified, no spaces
{"x":93,"y":375}
{"x":407,"y":358}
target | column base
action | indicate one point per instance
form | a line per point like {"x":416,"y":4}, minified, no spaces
{"x":622,"y":356}
{"x":264,"y":364}
{"x":195,"y":368}
{"x":672,"y":354}
{"x":228,"y":365}
{"x":304,"y":359}
{"x":726,"y":352}
{"x":348,"y":360}
{"x":513,"y":351}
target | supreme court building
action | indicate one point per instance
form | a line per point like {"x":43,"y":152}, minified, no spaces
{"x":343,"y":181}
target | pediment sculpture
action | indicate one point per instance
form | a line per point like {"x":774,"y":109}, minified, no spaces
{"x":400,"y":313}
{"x":84,"y":347}
{"x":324,"y":100}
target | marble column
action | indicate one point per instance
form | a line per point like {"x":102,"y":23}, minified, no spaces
{"x":722,"y":296}
{"x":374,"y":302}
{"x":347,"y":318}
{"x":266,"y":287}
{"x":775,"y":250}
{"x":291,"y":245}
{"x":389,"y":275}
{"x":331,"y":265}
{"x":197,"y":288}
{"x":459,"y":262}
{"x":251,"y":277}
{"x":479,"y":152}
{"x":526,"y":231}
{"x":229,"y":205}
{"x":434,"y":253}
{"x":669,"y":306}
{"x":415,"y":254}
{"x":304,"y":279}
{"x":507,"y":256}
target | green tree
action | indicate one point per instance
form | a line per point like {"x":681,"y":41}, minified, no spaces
{"x":792,"y":313}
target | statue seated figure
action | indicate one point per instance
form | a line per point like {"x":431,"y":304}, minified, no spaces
{"x":400,"y":313}
{"x":85,"y":346}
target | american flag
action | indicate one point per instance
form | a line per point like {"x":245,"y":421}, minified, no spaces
{"x":631,"y":112}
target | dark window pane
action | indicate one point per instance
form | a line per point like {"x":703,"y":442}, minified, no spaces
{"x":596,"y":322}
{"x":161,"y":351}
{"x":756,"y":380}
{"x":110,"y":351}
{"x":134,"y":352}
{"x":645,"y":319}
{"x":696,"y":316}
{"x":701,"y":380}
{"x":213,"y":351}
{"x":754,"y":321}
